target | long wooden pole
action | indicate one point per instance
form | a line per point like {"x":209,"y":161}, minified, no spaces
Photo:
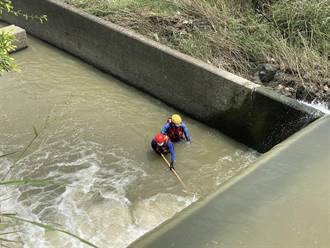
{"x":175,"y":173}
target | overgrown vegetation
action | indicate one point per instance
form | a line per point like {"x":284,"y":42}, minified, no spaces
{"x":6,"y":39}
{"x":6,"y":62}
{"x":292,"y":37}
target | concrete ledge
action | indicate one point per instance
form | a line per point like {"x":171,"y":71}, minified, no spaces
{"x":241,"y":109}
{"x":20,"y":35}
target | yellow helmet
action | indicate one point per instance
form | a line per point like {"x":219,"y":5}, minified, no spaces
{"x":176,"y":119}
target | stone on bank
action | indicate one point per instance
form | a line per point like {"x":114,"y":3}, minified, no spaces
{"x":20,"y":41}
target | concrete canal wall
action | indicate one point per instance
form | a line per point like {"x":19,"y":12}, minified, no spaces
{"x":282,"y":201}
{"x":243,"y":110}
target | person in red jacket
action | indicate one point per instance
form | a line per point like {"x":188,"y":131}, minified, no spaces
{"x":161,"y":144}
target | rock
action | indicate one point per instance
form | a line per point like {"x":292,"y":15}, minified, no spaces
{"x":267,"y":72}
{"x":308,"y":94}
{"x":301,"y":92}
{"x":156,"y":36}
{"x":20,"y":35}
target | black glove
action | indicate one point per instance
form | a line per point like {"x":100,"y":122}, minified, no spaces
{"x":172,"y":165}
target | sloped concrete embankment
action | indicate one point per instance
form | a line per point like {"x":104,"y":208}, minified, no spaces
{"x":248,"y":113}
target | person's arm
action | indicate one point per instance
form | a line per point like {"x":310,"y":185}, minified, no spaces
{"x":171,"y":148}
{"x":165,"y":128}
{"x":186,"y":132}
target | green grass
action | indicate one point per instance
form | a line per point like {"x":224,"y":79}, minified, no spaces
{"x":304,"y":23}
{"x":105,"y":7}
{"x":234,"y":35}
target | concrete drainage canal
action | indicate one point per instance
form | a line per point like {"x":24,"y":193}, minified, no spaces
{"x":94,"y":135}
{"x":92,"y":143}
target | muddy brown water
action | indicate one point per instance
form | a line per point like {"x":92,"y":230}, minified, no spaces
{"x":94,"y":135}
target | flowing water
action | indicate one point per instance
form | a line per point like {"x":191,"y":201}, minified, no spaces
{"x":322,"y":106}
{"x":94,"y":142}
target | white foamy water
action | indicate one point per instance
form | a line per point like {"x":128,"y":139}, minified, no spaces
{"x":92,"y":201}
{"x":228,"y":164}
{"x":322,"y":106}
{"x":90,"y":204}
{"x":94,"y":145}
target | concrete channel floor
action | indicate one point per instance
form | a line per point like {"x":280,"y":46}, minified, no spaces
{"x":283,"y":201}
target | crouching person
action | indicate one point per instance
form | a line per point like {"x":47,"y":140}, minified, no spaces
{"x":161,"y":144}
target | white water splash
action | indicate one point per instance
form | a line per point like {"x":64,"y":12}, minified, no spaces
{"x":93,"y":203}
{"x":321,"y":106}
{"x":228,"y":164}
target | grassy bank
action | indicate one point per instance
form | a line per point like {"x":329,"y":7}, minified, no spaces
{"x":252,"y":38}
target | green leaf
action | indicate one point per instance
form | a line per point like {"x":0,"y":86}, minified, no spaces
{"x":26,"y":182}
{"x":35,"y":131}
